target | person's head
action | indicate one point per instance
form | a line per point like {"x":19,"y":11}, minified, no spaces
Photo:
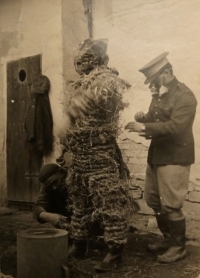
{"x":158,"y":72}
{"x":162,"y":79}
{"x":90,"y":54}
{"x":52,"y":176}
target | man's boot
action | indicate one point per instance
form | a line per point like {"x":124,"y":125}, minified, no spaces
{"x":112,"y":260}
{"x":177,"y":251}
{"x":163,"y":225}
{"x":78,"y":249}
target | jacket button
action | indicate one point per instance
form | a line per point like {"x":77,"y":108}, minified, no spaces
{"x":157,"y":120}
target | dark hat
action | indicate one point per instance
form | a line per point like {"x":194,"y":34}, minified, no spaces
{"x":155,"y":67}
{"x":47,"y":171}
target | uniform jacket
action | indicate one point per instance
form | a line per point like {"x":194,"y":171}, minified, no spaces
{"x":169,"y":124}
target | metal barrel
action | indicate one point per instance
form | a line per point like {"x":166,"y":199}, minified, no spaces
{"x":41,"y":253}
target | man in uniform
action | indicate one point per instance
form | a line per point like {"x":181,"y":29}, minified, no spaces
{"x":169,"y":124}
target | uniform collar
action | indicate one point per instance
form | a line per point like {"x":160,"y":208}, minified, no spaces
{"x":172,"y":83}
{"x":165,"y":89}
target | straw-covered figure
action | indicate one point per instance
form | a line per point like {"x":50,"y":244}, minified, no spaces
{"x":99,"y":177}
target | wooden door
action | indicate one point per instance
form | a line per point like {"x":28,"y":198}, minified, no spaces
{"x":22,"y":164}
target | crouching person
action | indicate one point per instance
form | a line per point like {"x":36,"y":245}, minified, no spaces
{"x":52,"y":204}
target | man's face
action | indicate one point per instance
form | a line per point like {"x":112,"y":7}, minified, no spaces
{"x":53,"y":182}
{"x":158,"y":82}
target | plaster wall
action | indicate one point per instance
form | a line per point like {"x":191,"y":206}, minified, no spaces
{"x":29,"y":28}
{"x":75,"y":29}
{"x":140,"y":30}
{"x":50,"y":28}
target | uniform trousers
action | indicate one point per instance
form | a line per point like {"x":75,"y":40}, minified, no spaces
{"x":166,"y":187}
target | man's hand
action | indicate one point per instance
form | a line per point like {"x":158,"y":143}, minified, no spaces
{"x":139,"y":116}
{"x":134,"y":127}
{"x":57,"y":220}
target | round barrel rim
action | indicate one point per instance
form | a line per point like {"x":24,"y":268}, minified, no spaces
{"x":42,"y":233}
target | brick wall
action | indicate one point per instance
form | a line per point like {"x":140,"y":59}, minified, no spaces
{"x":135,"y":156}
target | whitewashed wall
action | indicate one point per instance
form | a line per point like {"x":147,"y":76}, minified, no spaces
{"x":74,"y":31}
{"x":52,"y":28}
{"x":140,"y":30}
{"x":29,"y":28}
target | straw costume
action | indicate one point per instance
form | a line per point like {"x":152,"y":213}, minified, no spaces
{"x":99,"y":177}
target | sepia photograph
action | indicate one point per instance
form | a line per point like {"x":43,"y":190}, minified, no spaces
{"x":99,"y":139}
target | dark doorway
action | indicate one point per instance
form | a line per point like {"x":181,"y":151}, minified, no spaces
{"x":22,"y":164}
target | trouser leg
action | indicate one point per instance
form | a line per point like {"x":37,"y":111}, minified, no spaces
{"x":173,"y":187}
{"x":167,"y":186}
{"x":151,"y":189}
{"x":80,"y":237}
{"x":116,"y":210}
{"x":81,"y":217}
{"x":115,"y":206}
{"x":115,"y":238}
